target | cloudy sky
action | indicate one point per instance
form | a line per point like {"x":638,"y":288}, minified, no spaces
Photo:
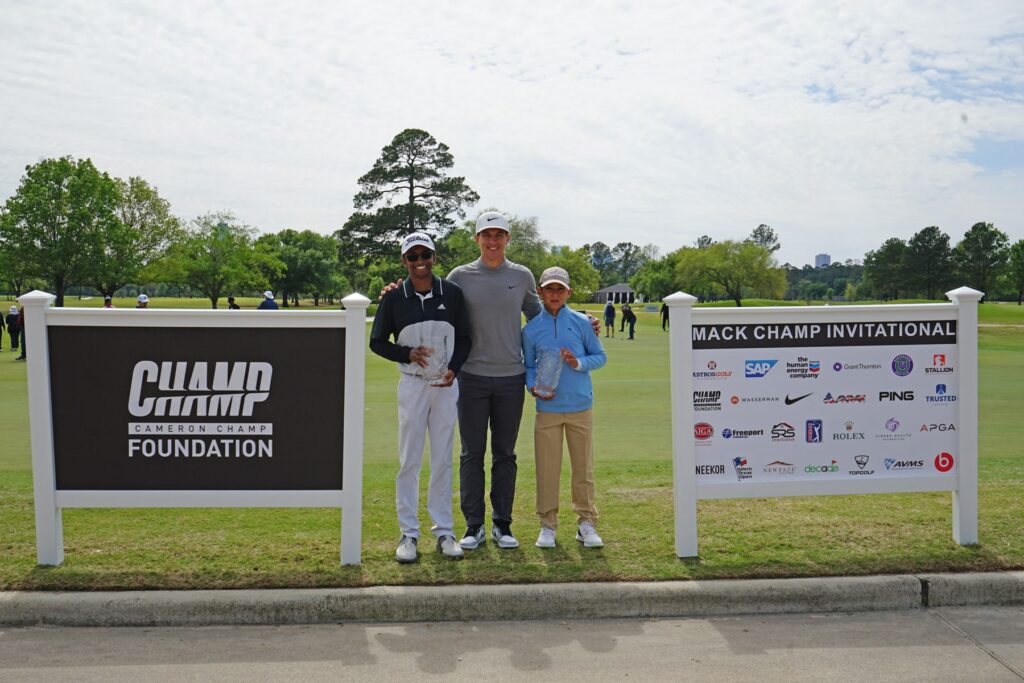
{"x":838,"y":124}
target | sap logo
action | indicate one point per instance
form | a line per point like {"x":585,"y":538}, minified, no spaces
{"x":813,"y":431}
{"x":896,"y":395}
{"x":758,"y":368}
{"x":938,"y":427}
{"x":185,"y":388}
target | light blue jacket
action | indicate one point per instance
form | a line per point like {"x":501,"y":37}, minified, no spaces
{"x":570,"y":330}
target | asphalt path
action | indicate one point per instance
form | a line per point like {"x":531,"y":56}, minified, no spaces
{"x":938,"y":644}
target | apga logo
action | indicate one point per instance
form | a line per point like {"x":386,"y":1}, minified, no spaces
{"x":902,"y":365}
{"x":938,"y":427}
{"x":702,"y":431}
{"x":758,"y":368}
{"x":944,"y":462}
{"x":813,"y":431}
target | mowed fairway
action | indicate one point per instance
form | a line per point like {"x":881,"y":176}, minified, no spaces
{"x":232,"y":548}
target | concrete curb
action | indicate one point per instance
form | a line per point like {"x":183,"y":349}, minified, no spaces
{"x":517,"y":602}
{"x":994,"y":588}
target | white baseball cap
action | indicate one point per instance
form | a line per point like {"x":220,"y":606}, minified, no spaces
{"x":554,"y":274}
{"x":491,"y":219}
{"x":14,"y":309}
{"x":417,"y":239}
{"x":143,"y":298}
{"x":269,"y":295}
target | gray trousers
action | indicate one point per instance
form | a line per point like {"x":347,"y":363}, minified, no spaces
{"x":496,"y":402}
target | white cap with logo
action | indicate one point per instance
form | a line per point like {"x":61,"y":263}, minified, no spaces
{"x":554,"y":274}
{"x":417,"y":239}
{"x":491,"y":219}
{"x":269,"y":295}
{"x":143,"y":298}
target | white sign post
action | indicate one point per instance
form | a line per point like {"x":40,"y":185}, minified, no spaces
{"x":824,"y":400}
{"x":213,"y":407}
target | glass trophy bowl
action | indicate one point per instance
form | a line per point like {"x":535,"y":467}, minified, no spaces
{"x":549,"y":369}
{"x":437,"y":361}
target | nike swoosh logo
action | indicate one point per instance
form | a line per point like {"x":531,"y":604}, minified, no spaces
{"x":512,"y":286}
{"x":791,"y":401}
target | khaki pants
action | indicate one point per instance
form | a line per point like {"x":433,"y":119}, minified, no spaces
{"x":547,"y":439}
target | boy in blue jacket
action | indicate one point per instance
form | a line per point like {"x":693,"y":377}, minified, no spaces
{"x":567,"y":412}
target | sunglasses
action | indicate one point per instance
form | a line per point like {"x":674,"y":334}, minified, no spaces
{"x":414,"y":256}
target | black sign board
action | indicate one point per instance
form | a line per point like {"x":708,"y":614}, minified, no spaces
{"x":227,"y":408}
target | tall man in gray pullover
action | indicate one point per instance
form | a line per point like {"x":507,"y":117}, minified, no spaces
{"x":496,"y":292}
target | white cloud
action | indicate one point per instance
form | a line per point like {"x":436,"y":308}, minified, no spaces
{"x":840,"y":124}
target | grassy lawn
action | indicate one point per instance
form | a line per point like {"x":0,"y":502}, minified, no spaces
{"x":813,"y":536}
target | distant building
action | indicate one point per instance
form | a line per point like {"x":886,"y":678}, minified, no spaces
{"x":822,"y":261}
{"x":617,"y":294}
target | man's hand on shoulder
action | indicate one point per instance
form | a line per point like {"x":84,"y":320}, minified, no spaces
{"x":390,"y":286}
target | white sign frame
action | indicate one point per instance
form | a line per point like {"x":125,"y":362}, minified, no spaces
{"x":964,"y":486}
{"x":40,"y":314}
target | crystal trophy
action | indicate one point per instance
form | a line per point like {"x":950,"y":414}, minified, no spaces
{"x":437,"y":361}
{"x":549,"y":369}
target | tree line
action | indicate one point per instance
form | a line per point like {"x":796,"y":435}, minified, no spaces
{"x":69,"y":224}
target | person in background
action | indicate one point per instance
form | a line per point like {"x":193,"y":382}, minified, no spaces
{"x":21,"y":332}
{"x":232,"y":306}
{"x":609,"y":319}
{"x":12,"y":327}
{"x":142,"y":301}
{"x":3,"y":326}
{"x":664,"y":316}
{"x":108,"y":302}
{"x":567,"y":413}
{"x":628,"y":318}
{"x":268,"y":303}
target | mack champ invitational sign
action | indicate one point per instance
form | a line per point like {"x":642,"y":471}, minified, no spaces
{"x":186,"y":408}
{"x":824,"y":400}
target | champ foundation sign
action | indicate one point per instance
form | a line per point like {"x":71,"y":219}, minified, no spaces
{"x":176,"y":408}
{"x":824,"y":400}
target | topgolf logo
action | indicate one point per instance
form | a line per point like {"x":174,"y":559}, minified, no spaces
{"x":184,"y":389}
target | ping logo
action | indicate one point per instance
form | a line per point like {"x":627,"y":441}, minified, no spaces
{"x":184,"y":389}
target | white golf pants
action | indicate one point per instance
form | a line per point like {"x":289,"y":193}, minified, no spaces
{"x":421,"y":409}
